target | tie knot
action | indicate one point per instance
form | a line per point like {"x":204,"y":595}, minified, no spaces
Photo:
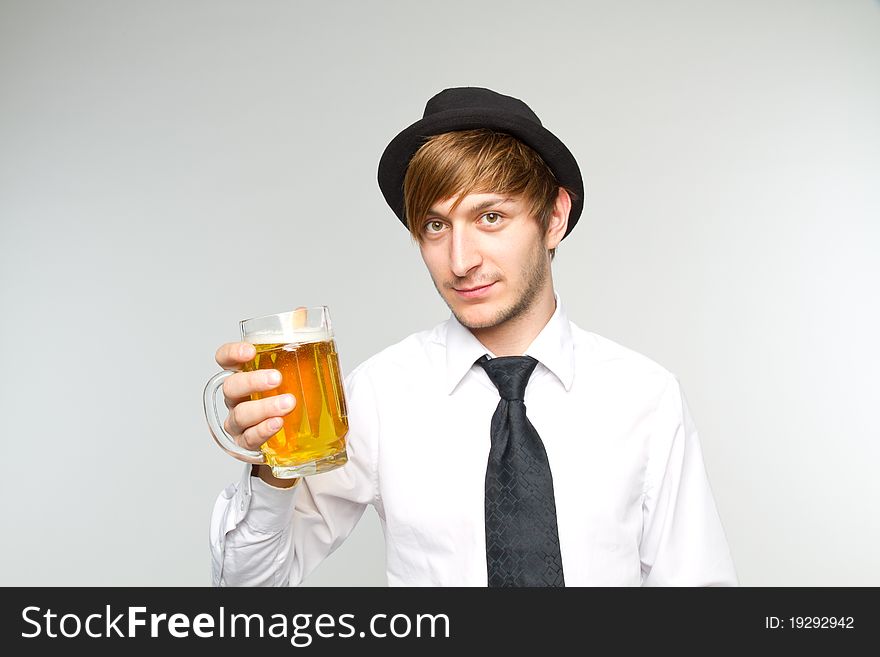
{"x":510,"y":374}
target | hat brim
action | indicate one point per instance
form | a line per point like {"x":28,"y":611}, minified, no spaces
{"x":398,"y":153}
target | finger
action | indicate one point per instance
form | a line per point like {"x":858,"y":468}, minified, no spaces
{"x":232,"y":355}
{"x":250,"y":413}
{"x":257,"y":435}
{"x":240,"y":386}
{"x":300,"y":315}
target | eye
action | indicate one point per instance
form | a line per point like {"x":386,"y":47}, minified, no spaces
{"x":491,"y":218}
{"x":433,"y":226}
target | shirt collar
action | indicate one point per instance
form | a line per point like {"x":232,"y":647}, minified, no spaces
{"x":552,"y":347}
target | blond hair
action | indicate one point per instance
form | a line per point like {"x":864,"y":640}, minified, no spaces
{"x":466,"y":162}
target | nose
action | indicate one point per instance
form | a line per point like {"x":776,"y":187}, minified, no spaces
{"x":463,"y":254}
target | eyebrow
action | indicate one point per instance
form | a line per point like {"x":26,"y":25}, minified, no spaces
{"x":480,"y":206}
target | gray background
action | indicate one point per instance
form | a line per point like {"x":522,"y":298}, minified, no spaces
{"x":169,"y":168}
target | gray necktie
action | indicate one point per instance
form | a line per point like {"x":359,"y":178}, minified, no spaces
{"x":522,"y":539}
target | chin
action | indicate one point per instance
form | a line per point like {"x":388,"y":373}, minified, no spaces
{"x":475,"y":317}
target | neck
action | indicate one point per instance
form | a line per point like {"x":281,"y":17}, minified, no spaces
{"x":514,"y":336}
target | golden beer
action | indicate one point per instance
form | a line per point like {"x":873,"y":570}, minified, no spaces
{"x":299,"y":344}
{"x":312,"y":438}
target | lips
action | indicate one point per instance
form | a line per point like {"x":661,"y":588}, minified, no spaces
{"x":474,"y":292}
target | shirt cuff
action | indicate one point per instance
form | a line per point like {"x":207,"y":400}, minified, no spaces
{"x":271,"y":508}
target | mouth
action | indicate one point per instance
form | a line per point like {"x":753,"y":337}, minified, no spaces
{"x":473,"y":292}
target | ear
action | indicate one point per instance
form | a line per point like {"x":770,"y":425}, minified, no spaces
{"x":558,"y":223}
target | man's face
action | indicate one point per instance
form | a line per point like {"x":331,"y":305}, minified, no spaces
{"x":487,"y":258}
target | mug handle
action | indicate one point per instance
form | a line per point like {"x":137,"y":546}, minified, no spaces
{"x":223,"y":439}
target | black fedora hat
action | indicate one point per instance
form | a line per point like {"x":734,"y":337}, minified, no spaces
{"x":469,"y":108}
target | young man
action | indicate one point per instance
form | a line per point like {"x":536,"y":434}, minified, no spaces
{"x":505,"y":446}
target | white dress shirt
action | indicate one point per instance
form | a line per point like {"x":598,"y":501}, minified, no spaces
{"x":633,"y":502}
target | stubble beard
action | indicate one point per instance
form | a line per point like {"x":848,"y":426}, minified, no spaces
{"x":535,"y":274}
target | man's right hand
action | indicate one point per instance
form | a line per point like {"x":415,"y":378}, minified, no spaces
{"x":251,"y":423}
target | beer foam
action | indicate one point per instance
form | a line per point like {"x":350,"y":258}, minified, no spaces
{"x":289,"y":334}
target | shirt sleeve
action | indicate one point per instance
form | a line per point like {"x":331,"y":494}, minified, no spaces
{"x":265,"y":536}
{"x":683,"y":541}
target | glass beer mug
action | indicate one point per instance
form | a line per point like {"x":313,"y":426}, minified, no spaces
{"x":300,"y":345}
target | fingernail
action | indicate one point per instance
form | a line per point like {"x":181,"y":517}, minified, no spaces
{"x":275,"y":423}
{"x":285,"y":402}
{"x":273,"y":377}
{"x":246,"y":351}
